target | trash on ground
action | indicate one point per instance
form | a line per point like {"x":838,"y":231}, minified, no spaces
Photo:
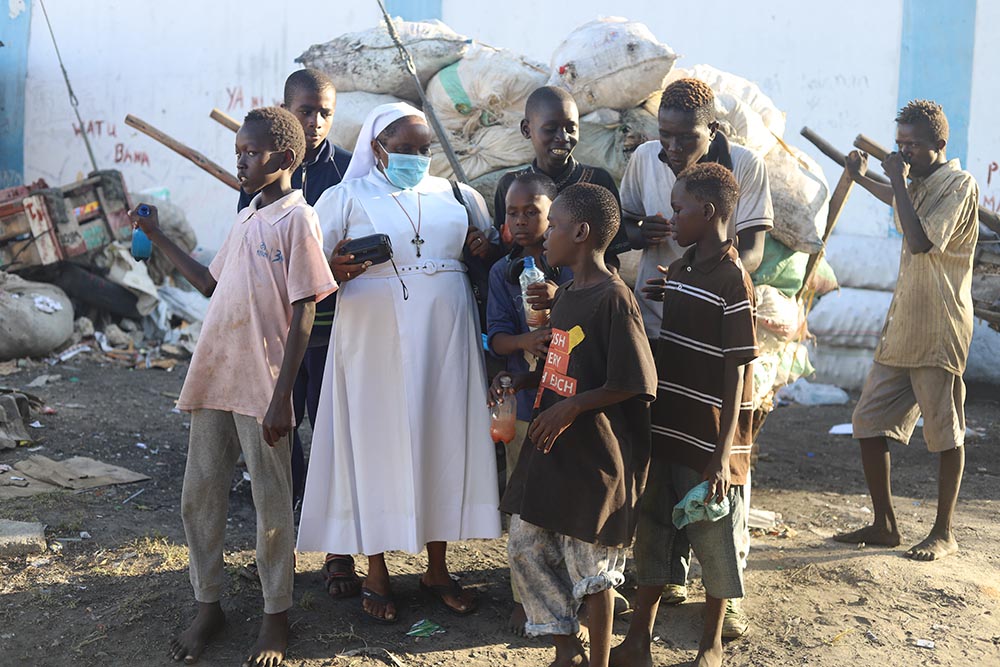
{"x":15,"y":410}
{"x":804,"y":392}
{"x":374,"y":651}
{"x":842,"y":429}
{"x":133,"y":496}
{"x":424,"y":628}
{"x":74,"y":350}
{"x":758,"y":518}
{"x":924,"y":643}
{"x":44,"y":475}
{"x":43,"y":380}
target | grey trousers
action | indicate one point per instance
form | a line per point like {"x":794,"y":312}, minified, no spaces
{"x":216,"y":440}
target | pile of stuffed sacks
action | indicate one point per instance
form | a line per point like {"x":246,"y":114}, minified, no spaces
{"x":616,"y":70}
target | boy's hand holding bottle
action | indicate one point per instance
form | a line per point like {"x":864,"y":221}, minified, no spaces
{"x":149,"y":223}
{"x":541,"y":295}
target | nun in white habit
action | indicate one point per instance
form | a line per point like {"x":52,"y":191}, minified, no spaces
{"x":401,"y":454}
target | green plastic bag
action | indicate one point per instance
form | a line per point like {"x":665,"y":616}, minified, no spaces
{"x":781,"y":267}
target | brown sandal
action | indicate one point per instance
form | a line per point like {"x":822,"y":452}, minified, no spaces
{"x":340,"y":569}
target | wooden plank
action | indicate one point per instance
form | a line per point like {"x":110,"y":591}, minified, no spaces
{"x":184,"y":151}
{"x":225,"y":120}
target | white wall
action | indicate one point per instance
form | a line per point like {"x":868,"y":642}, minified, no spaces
{"x":984,"y":139}
{"x":168,"y":63}
{"x":832,"y":66}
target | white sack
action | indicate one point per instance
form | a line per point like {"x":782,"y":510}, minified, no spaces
{"x":350,"y":113}
{"x":369,"y":60}
{"x":488,"y":150}
{"x":850,"y":318}
{"x":866,"y":262}
{"x":801,"y":197}
{"x":35,"y":318}
{"x":611,"y":62}
{"x":486,"y":87}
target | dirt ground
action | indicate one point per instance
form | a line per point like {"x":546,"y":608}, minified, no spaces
{"x":117,"y":598}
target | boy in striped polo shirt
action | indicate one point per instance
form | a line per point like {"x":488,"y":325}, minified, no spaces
{"x":701,"y":420}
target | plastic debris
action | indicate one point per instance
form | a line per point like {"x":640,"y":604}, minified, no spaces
{"x":424,"y":628}
{"x":765,"y":519}
{"x":43,"y":380}
{"x":47,"y":304}
{"x":924,"y":643}
{"x":841,"y":429}
{"x":804,"y":392}
{"x":36,"y":424}
{"x":142,"y":445}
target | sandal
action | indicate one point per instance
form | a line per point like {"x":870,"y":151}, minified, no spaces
{"x":453,"y":589}
{"x":338,"y":569}
{"x":386,"y":600}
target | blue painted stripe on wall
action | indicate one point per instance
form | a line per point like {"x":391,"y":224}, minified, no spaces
{"x":936,"y":62}
{"x":13,"y":70}
{"x":414,"y":10}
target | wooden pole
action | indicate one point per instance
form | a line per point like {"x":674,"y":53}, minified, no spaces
{"x":410,"y":67}
{"x":184,"y":151}
{"x":831,"y":152}
{"x":870,"y":146}
{"x":837,"y":201}
{"x":225,"y":120}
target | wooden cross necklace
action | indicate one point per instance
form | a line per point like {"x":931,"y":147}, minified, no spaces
{"x":416,"y":241}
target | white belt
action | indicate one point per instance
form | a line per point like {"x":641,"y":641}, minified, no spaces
{"x":428,"y":267}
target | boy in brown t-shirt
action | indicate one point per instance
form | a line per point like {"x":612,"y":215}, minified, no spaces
{"x":701,"y":421}
{"x":573,"y":495}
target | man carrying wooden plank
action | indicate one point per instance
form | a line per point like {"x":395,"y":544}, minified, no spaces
{"x":925,"y":341}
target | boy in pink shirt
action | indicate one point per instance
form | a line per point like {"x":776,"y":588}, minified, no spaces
{"x":264,"y":283}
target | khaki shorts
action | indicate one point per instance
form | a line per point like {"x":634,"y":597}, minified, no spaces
{"x":893,"y":399}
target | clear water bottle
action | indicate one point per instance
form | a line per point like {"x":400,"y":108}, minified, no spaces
{"x":503,"y":415}
{"x":529,"y":276}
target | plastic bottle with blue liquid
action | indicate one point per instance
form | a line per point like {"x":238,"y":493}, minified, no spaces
{"x":142,"y":247}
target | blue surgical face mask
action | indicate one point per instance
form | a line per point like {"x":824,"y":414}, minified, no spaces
{"x":405,"y":171}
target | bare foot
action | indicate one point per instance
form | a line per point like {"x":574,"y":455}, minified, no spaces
{"x":515,"y":624}
{"x":935,"y":547}
{"x":569,"y":652}
{"x":870,"y":535}
{"x":189,"y":645}
{"x":635,"y":654}
{"x":711,"y":657}
{"x":269,"y":651}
